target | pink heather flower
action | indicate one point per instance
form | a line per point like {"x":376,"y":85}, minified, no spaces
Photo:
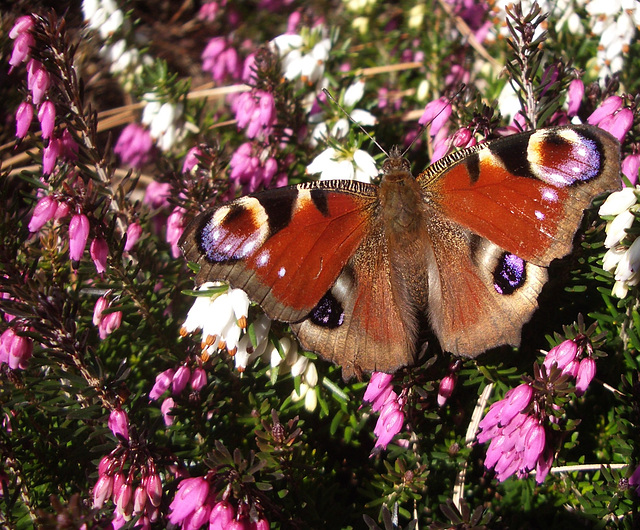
{"x":15,"y":350}
{"x":62,"y":210}
{"x":437,"y":112}
{"x":209,"y":10}
{"x":50,"y":155}
{"x":463,"y":138}
{"x":180,"y":380}
{"x":389,"y":423}
{"x":163,"y":380}
{"x":630,"y":166}
{"x":220,"y":59}
{"x":134,"y":230}
{"x":134,"y":146}
{"x":608,"y":108}
{"x":175,"y":227}
{"x":562,"y":354}
{"x":69,"y":146}
{"x":98,"y":250}
{"x":101,"y":304}
{"x":618,"y":124}
{"x":378,"y":383}
{"x":23,"y":24}
{"x":191,"y":495}
{"x":261,"y":524}
{"x":102,"y":490}
{"x":78,"y":235}
{"x":198,"y":379}
{"x":516,"y":447}
{"x":154,"y":489}
{"x":445,"y":390}
{"x":222,"y":514}
{"x":119,"y":423}
{"x":574,"y":97}
{"x":165,"y":408}
{"x":191,"y":160}
{"x":251,"y":170}
{"x":38,"y":81}
{"x":109,"y":323}
{"x":21,"y":49}
{"x":441,"y":144}
{"x":124,"y":499}
{"x":47,"y":118}
{"x":157,"y":194}
{"x":516,"y":399}
{"x":249,"y":69}
{"x":379,"y":390}
{"x":634,"y":479}
{"x":256,"y":111}
{"x":586,"y":373}
{"x":139,"y":499}
{"x":43,"y":212}
{"x":24,"y":116}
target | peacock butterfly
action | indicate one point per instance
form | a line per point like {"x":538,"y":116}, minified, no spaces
{"x":361,"y":270}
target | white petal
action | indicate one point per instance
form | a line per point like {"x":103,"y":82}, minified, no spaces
{"x":353,"y":94}
{"x":618,"y":202}
{"x":616,"y":230}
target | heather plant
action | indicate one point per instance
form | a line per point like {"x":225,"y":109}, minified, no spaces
{"x":131,"y":399}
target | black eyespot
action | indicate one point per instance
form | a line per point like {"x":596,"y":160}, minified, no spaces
{"x":328,"y":313}
{"x":510,"y":274}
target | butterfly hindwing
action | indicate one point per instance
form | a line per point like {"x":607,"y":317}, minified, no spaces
{"x":360,"y":322}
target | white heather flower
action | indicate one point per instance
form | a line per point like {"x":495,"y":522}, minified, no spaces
{"x":620,"y":289}
{"x":627,"y":269}
{"x":617,"y":229}
{"x":615,"y":21}
{"x":112,"y":24}
{"x":215,"y":316}
{"x":359,"y":6}
{"x":249,"y":352}
{"x":163,"y":120}
{"x":297,"y":396}
{"x":299,"y":366}
{"x":618,"y":202}
{"x":416,"y":16}
{"x":303,"y":56}
{"x":353,"y":94}
{"x":311,"y":374}
{"x":625,"y":261}
{"x":361,"y":25}
{"x":334,"y":164}
{"x":611,"y":258}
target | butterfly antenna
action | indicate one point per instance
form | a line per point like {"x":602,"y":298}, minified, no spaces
{"x":330,"y":96}
{"x":425,"y":125}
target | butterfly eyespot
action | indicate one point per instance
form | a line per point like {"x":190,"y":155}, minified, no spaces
{"x":329,"y":313}
{"x":510,"y":274}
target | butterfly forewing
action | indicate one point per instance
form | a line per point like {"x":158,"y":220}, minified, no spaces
{"x":526,"y":192}
{"x":285,"y":247}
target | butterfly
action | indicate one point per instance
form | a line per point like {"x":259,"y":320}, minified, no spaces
{"x":361,"y":271}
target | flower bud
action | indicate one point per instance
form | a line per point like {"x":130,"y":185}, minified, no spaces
{"x":586,"y":373}
{"x":78,"y":235}
{"x":43,"y":212}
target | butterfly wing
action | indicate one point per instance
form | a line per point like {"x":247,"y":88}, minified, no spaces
{"x":501,"y":213}
{"x":285,"y":247}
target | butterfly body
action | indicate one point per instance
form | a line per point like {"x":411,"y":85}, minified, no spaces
{"x":362,"y":271}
